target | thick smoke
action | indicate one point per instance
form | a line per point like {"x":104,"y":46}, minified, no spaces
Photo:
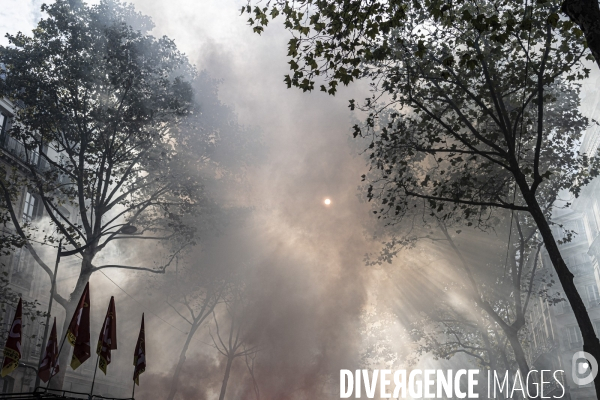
{"x":308,"y":287}
{"x":302,"y":261}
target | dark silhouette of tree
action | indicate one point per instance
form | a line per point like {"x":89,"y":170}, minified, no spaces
{"x":250,"y":359}
{"x":193,"y":293}
{"x":232,"y":343}
{"x":474,"y":107}
{"x":495,"y":294}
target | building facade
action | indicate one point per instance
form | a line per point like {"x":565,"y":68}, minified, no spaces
{"x":29,"y":280}
{"x":554,"y":336}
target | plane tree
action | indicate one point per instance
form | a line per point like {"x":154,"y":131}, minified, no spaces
{"x":232,"y":340}
{"x":482,"y":301}
{"x":474,"y":106}
{"x":99,"y":102}
{"x":356,"y":19}
{"x":192,"y":292}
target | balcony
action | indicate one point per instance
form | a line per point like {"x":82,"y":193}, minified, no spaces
{"x":547,"y":347}
{"x":17,"y":150}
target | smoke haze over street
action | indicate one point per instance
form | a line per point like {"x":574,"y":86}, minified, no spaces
{"x":312,"y":300}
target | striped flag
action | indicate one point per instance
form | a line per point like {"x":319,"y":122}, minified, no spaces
{"x":108,"y":336}
{"x":139,"y":356}
{"x":12,"y":349}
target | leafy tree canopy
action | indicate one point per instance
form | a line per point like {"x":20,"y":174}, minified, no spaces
{"x":474,"y":106}
{"x":467,"y":96}
{"x":99,"y":99}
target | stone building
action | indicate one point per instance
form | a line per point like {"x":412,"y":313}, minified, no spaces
{"x":32,"y":283}
{"x":554,"y":336}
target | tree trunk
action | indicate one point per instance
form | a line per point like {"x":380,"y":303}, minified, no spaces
{"x":175,"y":380}
{"x":63,"y":360}
{"x":586,"y":14}
{"x":488,"y":345}
{"x":591,"y":344}
{"x":519,"y":353}
{"x":226,"y":377}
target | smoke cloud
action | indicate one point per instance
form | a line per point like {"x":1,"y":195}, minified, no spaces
{"x":302,"y":261}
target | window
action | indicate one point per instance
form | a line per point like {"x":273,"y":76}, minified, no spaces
{"x":3,"y":121}
{"x":37,"y":341}
{"x":592,"y":295}
{"x":6,"y":323}
{"x":591,"y":222}
{"x":22,"y":269}
{"x":573,"y":335}
{"x":14,"y":146}
{"x":29,"y":207}
{"x":7,"y":383}
{"x":597,"y":326}
{"x":596,"y":214}
{"x":3,"y":127}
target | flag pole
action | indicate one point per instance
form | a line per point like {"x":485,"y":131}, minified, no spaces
{"x":133,"y":391}
{"x":94,"y":379}
{"x":52,"y":289}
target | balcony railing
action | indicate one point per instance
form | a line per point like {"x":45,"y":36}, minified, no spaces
{"x":546,"y":347}
{"x":29,"y":157}
{"x":17,"y":149}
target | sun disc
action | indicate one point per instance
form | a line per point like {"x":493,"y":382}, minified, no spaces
{"x":327,"y":202}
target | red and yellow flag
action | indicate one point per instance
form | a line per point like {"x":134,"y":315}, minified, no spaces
{"x":12,"y":349}
{"x":78,"y":333}
{"x":139,"y":355}
{"x":108,"y":336}
{"x":49,"y":364}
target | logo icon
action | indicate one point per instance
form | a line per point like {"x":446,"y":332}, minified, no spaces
{"x":585,"y":368}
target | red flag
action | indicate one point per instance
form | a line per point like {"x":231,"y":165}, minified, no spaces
{"x":49,"y":364}
{"x":139,"y":355}
{"x":108,"y":336}
{"x":78,"y":333}
{"x":12,"y":349}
